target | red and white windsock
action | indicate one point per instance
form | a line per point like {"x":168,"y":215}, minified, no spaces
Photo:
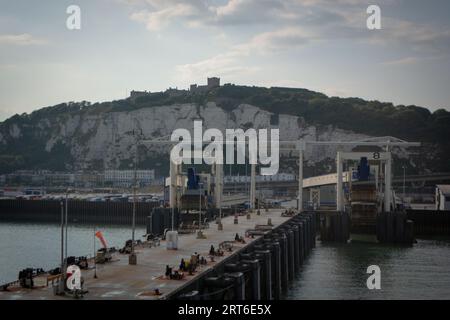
{"x":99,"y":235}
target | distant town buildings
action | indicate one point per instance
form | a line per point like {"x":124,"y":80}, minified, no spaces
{"x":109,"y":178}
{"x":246,"y":179}
{"x":52,"y":179}
{"x":125,"y":178}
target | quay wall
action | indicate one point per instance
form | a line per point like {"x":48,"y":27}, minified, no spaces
{"x":430,"y":222}
{"x":261,"y":270}
{"x":115,"y":213}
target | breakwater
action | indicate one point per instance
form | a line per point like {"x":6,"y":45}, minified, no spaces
{"x":430,"y":222}
{"x":260,"y":270}
{"x":114,"y":213}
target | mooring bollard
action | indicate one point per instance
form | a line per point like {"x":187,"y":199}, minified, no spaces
{"x":255,"y":276}
{"x":284,"y":262}
{"x":239,"y":285}
{"x":296,"y":247}
{"x":211,"y":284}
{"x":290,"y":237}
{"x":266,"y":274}
{"x":301,"y":235}
{"x":306,"y":235}
{"x":276,"y":270}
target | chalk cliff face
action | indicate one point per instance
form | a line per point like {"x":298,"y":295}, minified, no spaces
{"x":105,"y":140}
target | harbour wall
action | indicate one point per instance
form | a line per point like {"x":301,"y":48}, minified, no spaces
{"x":261,"y":270}
{"x":114,"y":213}
{"x":430,"y":222}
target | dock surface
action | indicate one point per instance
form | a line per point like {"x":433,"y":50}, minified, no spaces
{"x":119,"y":280}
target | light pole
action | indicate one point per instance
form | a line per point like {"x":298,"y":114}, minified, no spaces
{"x":199,"y":233}
{"x":200,"y":209}
{"x":95,"y":262}
{"x":66,"y":227}
{"x":61,"y":279}
{"x":132,"y":259}
{"x":404,"y":183}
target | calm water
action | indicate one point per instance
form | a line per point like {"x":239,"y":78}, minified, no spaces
{"x":330,"y":272}
{"x":339,"y":272}
{"x":38,"y":245}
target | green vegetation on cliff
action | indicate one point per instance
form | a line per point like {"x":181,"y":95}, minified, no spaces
{"x":367,"y":117}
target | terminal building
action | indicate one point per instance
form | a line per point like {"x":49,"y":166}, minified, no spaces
{"x":125,"y":178}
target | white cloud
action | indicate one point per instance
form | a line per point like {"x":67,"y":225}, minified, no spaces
{"x":156,"y":20}
{"x":232,"y":63}
{"x":326,"y":19}
{"x":223,"y":65}
{"x":401,"y":62}
{"x":23,"y":39}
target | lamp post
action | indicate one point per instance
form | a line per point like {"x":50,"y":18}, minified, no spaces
{"x":132,"y":258}
{"x":61,"y":280}
{"x":66,"y":223}
{"x":404,"y":183}
{"x":200,"y":233}
{"x":200,"y":209}
{"x":66,"y":232}
{"x":95,"y":262}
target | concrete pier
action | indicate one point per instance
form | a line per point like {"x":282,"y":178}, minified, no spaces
{"x":256,"y":269}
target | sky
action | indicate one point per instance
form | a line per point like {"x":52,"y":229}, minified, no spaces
{"x":124,"y":45}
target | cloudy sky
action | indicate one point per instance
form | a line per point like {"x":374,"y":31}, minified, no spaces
{"x":322,"y":45}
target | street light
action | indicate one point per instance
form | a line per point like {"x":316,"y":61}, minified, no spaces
{"x":200,"y":208}
{"x":61,"y":279}
{"x":404,"y":183}
{"x":95,"y":260}
{"x":132,"y":258}
{"x":64,"y":215}
{"x":67,"y":213}
{"x":200,"y":234}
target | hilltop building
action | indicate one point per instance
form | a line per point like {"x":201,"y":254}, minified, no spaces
{"x":213,"y":82}
{"x":137,"y":94}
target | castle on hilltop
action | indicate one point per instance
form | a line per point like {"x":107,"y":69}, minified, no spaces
{"x":212,"y":83}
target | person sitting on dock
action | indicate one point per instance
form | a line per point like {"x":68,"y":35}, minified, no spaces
{"x":168,"y":273}
{"x":177,"y":275}
{"x":191,"y":268}
{"x":182,"y":265}
{"x":238,"y":238}
{"x":194,"y":260}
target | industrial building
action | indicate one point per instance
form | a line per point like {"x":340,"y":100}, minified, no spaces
{"x":125,"y":178}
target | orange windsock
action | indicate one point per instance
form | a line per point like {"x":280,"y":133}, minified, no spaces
{"x":99,"y":235}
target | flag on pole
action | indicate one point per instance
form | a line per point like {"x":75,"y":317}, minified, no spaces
{"x":99,"y":235}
